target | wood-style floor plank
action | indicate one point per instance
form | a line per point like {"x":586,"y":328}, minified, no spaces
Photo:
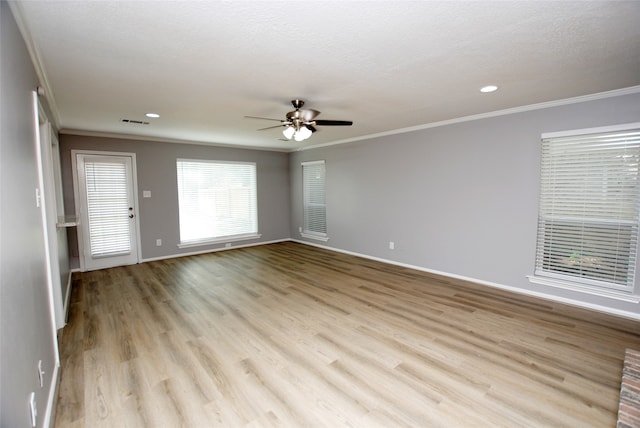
{"x":288,"y":335}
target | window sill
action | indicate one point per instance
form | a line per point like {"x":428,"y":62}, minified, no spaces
{"x":223,"y":240}
{"x":323,"y":238}
{"x":566,"y":285}
{"x":67,"y":221}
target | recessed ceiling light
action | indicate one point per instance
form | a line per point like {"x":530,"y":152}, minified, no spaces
{"x":489,"y":88}
{"x":154,"y":115}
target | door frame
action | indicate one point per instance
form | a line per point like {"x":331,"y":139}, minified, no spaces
{"x":48,"y":231}
{"x":80,"y":209}
{"x":49,"y":204}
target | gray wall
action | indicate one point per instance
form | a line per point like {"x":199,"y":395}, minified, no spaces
{"x":156,"y":167}
{"x":26,"y":326}
{"x":460,"y":199}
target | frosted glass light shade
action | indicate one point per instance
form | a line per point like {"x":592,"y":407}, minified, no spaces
{"x":298,"y":136}
{"x":288,"y":132}
{"x":305,"y":132}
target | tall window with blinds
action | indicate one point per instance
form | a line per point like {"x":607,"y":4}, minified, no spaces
{"x":314,"y":209}
{"x":589,"y":209}
{"x":217,"y":201}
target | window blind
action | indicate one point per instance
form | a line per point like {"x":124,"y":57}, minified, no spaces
{"x":589,"y":209}
{"x":107,"y":208}
{"x":216,"y":200}
{"x":314,"y":210}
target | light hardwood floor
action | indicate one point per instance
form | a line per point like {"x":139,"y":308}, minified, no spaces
{"x":291,"y":335}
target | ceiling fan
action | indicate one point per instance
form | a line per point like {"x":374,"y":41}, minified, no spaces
{"x":301,"y":123}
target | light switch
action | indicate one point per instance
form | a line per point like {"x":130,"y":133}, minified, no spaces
{"x":146,"y":193}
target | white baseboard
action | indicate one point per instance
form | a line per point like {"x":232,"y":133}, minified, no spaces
{"x":578,"y":303}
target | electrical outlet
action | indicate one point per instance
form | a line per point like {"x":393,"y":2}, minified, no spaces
{"x":228,"y":245}
{"x":158,"y":242}
{"x":392,"y":245}
{"x":33,"y":409}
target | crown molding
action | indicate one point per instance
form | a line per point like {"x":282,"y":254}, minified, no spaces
{"x":118,"y":136}
{"x":530,"y":107}
{"x":17,"y":11}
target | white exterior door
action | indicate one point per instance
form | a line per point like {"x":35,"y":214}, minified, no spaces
{"x":106,"y":204}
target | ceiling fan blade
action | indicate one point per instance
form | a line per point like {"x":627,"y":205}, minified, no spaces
{"x":333,"y":122}
{"x":307,"y":115}
{"x":263,"y":118}
{"x":311,"y":128}
{"x":270,"y":127}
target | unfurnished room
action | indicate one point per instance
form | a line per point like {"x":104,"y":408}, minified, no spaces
{"x":319,"y":214}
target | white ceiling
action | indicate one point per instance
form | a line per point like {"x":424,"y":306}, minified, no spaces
{"x":385,"y":65}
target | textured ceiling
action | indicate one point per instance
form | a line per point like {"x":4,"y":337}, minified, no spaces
{"x":386,"y":65}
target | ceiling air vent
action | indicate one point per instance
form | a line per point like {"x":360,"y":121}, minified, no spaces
{"x":135,"y":122}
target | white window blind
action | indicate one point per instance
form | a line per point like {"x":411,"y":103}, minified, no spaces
{"x":107,"y":208}
{"x":589,"y":209}
{"x":217,"y":200}
{"x":313,"y":185}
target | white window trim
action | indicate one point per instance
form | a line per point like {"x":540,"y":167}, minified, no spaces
{"x":594,"y":291}
{"x":317,"y":236}
{"x":587,"y":131}
{"x":225,"y":240}
{"x":229,"y":238}
{"x":589,"y":286}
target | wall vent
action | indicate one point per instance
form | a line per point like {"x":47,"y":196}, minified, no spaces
{"x":135,"y":122}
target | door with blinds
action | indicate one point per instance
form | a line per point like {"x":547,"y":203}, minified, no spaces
{"x":105,"y":195}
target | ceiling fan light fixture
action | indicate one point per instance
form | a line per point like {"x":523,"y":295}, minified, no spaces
{"x":298,"y":136}
{"x":301,"y":124}
{"x":304,"y":133}
{"x":288,"y":132}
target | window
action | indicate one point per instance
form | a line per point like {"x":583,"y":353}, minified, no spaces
{"x":313,"y":195}
{"x":217,"y":201}
{"x":108,"y":201}
{"x":589,"y":209}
